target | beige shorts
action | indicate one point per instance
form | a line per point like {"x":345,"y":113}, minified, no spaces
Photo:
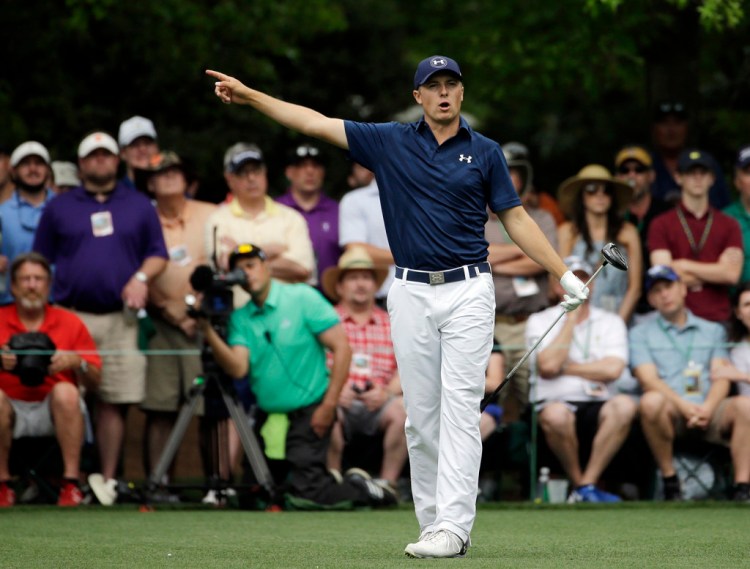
{"x":169,"y":377}
{"x":123,"y":365}
{"x":713,"y":433}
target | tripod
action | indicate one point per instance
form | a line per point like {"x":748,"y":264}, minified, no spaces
{"x":250,"y":443}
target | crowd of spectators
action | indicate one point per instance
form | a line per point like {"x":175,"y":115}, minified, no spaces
{"x":97,"y":257}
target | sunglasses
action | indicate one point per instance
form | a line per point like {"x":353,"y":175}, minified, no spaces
{"x":638,"y":169}
{"x":305,"y":151}
{"x":592,"y":189}
{"x":676,"y":107}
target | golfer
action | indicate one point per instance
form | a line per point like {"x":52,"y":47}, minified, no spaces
{"x":436,"y":177}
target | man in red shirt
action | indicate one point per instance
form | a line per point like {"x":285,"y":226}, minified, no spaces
{"x":702,"y":245}
{"x":371,"y":400}
{"x":54,"y":406}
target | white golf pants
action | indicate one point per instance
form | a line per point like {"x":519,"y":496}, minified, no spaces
{"x":442,"y":336}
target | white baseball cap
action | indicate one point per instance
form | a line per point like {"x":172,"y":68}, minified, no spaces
{"x":65,"y":173}
{"x":26,"y":149}
{"x":95,"y":141}
{"x":133,"y":128}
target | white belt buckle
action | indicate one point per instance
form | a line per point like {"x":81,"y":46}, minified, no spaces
{"x":436,"y":278}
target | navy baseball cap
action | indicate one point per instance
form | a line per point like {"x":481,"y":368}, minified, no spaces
{"x":434,"y":64}
{"x":660,"y":273}
{"x":694,"y":157}
{"x":743,"y":156}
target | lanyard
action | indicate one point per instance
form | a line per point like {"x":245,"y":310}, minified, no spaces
{"x":685,"y":353}
{"x":689,"y":234}
{"x":587,"y":345}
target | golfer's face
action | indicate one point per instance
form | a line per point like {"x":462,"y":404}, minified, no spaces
{"x":441,"y":96}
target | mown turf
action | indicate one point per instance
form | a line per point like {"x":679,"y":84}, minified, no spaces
{"x":642,"y":535}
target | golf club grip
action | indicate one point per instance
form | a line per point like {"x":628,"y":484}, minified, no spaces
{"x":511,"y":373}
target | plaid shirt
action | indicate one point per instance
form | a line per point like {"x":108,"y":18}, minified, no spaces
{"x":372,"y":350}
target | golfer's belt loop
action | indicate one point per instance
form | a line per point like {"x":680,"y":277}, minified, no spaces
{"x":467,"y":276}
{"x":403,"y":276}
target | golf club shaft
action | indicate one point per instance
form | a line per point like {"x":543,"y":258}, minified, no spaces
{"x":525,"y":357}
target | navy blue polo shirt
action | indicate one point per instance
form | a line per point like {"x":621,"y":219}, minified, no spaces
{"x":434,"y":197}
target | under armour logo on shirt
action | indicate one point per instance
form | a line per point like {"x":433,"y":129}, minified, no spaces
{"x":464,"y":158}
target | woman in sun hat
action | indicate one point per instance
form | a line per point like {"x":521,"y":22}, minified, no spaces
{"x":593,"y":201}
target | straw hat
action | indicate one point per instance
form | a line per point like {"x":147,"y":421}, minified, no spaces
{"x":569,"y":191}
{"x":353,"y":259}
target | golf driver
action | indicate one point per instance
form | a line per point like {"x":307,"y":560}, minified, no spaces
{"x":612,"y":256}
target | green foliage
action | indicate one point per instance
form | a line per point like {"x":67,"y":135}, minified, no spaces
{"x":715,"y":15}
{"x":572,"y":79}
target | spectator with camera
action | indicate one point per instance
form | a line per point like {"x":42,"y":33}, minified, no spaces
{"x":40,"y":392}
{"x":106,"y":244}
{"x":371,"y":400}
{"x":278,"y":340}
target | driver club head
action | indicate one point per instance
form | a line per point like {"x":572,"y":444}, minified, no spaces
{"x":614,"y":257}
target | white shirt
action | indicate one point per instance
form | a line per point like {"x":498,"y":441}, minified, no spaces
{"x":361,"y":221}
{"x":603,"y":334}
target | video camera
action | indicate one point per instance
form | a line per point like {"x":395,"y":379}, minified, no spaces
{"x":216,"y":287}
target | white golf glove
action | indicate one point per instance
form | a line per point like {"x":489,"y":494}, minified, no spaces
{"x":577,"y":292}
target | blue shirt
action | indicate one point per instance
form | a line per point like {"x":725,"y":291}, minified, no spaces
{"x":675,"y":351}
{"x":18,"y":222}
{"x":434,"y":197}
{"x":97,"y":246}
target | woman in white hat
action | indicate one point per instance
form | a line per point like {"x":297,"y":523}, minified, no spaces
{"x":593,"y":201}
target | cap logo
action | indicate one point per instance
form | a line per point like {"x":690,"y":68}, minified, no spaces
{"x":745,"y":154}
{"x":694,"y":155}
{"x":438,"y":62}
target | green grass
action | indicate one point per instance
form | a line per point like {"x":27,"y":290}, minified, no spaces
{"x":638,"y":535}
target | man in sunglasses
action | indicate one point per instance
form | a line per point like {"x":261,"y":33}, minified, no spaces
{"x":634,"y":166}
{"x":306,"y":173}
{"x":670,"y":133}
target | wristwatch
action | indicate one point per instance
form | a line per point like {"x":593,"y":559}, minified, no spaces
{"x":83,"y":367}
{"x":142,"y":277}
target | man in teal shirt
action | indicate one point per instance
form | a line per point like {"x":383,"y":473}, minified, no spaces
{"x":740,"y":209}
{"x":278,"y":339}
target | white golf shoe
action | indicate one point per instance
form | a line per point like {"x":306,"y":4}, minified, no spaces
{"x":104,"y":490}
{"x":440,"y":543}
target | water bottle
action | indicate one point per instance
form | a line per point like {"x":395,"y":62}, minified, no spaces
{"x":542,"y":488}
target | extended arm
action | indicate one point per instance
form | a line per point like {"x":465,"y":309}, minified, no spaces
{"x":304,"y":120}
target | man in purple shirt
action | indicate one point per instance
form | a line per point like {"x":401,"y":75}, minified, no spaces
{"x":306,"y":172}
{"x":106,"y":243}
